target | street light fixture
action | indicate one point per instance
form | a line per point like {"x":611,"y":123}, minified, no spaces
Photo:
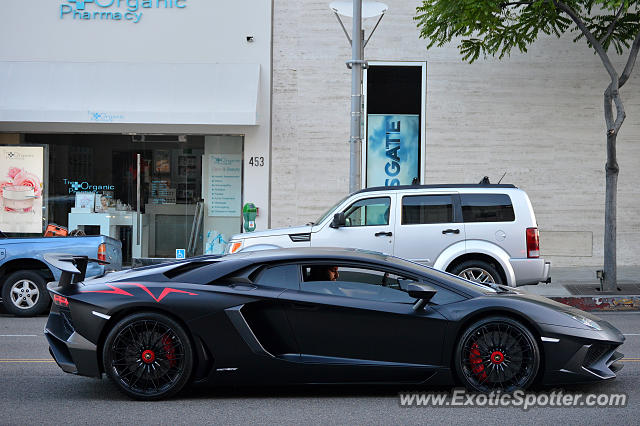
{"x":358,"y":10}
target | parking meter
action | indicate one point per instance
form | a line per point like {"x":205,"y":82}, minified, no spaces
{"x":249,"y":213}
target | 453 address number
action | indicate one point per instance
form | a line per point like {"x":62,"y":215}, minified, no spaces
{"x":256,"y":161}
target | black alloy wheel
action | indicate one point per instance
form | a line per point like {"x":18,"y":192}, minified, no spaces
{"x":497,"y":353}
{"x":148,"y":356}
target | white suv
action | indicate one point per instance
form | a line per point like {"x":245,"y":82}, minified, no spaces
{"x":484,"y":232}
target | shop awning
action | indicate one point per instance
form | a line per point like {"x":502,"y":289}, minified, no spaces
{"x":145,"y":93}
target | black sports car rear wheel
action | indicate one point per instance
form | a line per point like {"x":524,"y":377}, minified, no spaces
{"x":497,"y":353}
{"x":148,"y":356}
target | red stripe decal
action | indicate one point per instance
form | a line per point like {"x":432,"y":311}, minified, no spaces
{"x":116,"y":290}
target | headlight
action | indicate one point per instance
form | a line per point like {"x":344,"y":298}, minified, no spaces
{"x":235,"y":246}
{"x":584,"y":321}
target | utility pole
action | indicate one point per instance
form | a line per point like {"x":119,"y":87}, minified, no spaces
{"x":356,"y":64}
{"x":355,"y":141}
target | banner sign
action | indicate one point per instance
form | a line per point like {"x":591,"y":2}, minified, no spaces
{"x":225,"y":182}
{"x":21,"y":176}
{"x":393,"y":149}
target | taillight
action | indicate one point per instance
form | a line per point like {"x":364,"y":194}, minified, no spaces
{"x":102,"y":252}
{"x":533,"y":243}
{"x":235,"y":247}
{"x":60,"y":300}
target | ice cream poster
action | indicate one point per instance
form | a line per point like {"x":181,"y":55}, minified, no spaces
{"x":393,"y":149}
{"x":21,"y":181}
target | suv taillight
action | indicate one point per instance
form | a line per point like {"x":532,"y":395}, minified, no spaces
{"x":102,"y":252}
{"x":533,"y":243}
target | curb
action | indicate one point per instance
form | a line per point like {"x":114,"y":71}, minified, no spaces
{"x":601,"y":303}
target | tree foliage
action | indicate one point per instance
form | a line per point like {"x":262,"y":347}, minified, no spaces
{"x":495,"y":28}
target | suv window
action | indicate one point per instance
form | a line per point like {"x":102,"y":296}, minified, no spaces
{"x":487,"y":208}
{"x":421,"y":209}
{"x":283,"y":276}
{"x":368,"y":212}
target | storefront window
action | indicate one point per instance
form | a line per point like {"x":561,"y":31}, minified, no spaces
{"x":142,"y":191}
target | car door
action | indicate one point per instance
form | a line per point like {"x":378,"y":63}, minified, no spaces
{"x":426,"y":225}
{"x":369,"y":226}
{"x":359,"y":329}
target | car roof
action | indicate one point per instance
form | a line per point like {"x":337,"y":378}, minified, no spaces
{"x":310,"y":253}
{"x":440,"y":186}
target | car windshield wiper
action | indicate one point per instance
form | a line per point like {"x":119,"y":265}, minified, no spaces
{"x":310,"y":224}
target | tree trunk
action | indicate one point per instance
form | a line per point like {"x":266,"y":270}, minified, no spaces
{"x":610,"y":214}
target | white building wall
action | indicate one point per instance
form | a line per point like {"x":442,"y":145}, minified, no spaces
{"x":537,"y":116}
{"x":203,"y":32}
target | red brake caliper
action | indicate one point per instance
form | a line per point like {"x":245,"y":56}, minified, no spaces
{"x":476,"y":362}
{"x":169,"y":350}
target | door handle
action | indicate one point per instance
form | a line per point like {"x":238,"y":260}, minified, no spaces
{"x":451,"y":231}
{"x":385,"y":234}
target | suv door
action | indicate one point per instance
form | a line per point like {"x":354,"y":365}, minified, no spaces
{"x":369,"y":225}
{"x":426,"y":225}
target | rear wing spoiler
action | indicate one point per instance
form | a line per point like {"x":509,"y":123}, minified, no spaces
{"x":73,"y":267}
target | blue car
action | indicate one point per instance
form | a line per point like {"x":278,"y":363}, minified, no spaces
{"x":24,"y":272}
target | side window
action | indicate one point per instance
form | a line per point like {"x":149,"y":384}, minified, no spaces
{"x":359,"y":283}
{"x":422,"y":209}
{"x":368,"y":212}
{"x":283,"y":276}
{"x":487,"y":208}
{"x":444,"y":296}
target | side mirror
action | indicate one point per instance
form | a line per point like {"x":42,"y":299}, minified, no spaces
{"x":338,"y":220}
{"x":422,"y":292}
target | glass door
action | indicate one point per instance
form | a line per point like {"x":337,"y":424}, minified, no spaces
{"x":163,"y":177}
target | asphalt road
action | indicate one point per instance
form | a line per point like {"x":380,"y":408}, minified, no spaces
{"x":33,"y":390}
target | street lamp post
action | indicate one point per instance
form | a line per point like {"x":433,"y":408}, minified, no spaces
{"x":355,"y":139}
{"x":357,"y":9}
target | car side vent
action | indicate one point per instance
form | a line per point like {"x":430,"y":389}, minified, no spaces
{"x":300,"y":238}
{"x":184,"y":268}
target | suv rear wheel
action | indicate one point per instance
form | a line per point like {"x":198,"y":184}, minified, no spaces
{"x":478,"y":271}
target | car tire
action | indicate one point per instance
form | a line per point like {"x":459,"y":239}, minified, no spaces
{"x":477,"y":271}
{"x":24,"y":293}
{"x":497,"y":354}
{"x":148,"y":356}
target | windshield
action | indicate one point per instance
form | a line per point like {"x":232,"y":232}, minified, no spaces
{"x":328,"y":212}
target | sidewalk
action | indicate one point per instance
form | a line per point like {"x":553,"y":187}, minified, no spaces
{"x":579,"y":287}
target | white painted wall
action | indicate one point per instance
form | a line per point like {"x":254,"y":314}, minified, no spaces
{"x":204,"y":32}
{"x":537,"y":116}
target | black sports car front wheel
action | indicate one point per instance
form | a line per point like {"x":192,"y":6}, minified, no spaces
{"x":148,"y":356}
{"x":497,"y":353}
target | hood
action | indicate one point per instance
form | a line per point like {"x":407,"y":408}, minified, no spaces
{"x":545,"y":301}
{"x":557,"y":307}
{"x":275,"y":232}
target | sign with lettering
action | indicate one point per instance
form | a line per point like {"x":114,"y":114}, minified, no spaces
{"x":114,"y":10}
{"x":393,"y":149}
{"x":225,"y":183}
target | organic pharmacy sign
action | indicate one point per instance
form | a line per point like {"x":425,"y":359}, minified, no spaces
{"x":114,"y":10}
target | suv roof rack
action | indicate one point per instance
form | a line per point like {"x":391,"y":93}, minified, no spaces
{"x":446,"y":185}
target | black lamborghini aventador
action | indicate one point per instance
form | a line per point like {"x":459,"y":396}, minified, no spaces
{"x":315,"y":316}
